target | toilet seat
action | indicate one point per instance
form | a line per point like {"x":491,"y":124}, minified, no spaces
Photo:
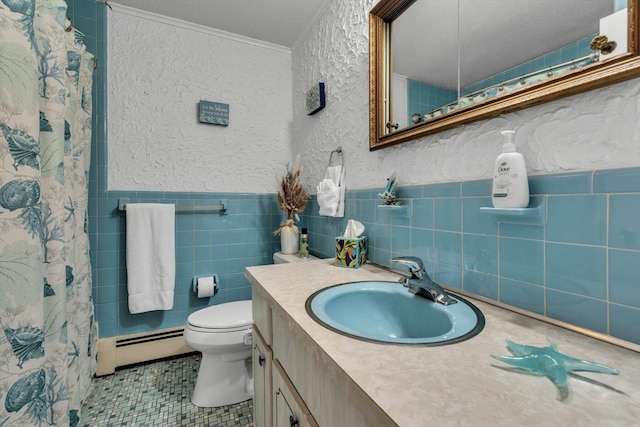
{"x":228,"y":317}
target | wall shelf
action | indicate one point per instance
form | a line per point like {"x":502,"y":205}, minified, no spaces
{"x":396,"y":210}
{"x":535,"y":214}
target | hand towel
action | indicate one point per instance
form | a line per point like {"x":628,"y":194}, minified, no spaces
{"x":328,"y":197}
{"x":331,"y":192}
{"x":343,"y":187}
{"x":151,"y":264}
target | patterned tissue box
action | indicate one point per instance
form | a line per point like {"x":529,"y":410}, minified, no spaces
{"x":351,"y":252}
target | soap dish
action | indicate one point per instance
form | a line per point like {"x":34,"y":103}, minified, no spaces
{"x":548,"y":361}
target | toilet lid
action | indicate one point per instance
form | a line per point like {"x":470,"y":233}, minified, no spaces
{"x":223,"y":316}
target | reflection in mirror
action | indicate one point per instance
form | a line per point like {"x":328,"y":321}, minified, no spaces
{"x":530,"y":42}
{"x":424,"y":47}
{"x":461,"y":60}
{"x":477,"y":50}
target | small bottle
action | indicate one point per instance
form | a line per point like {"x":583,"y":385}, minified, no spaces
{"x":510,"y":183}
{"x":304,"y":244}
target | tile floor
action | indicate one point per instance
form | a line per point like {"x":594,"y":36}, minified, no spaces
{"x":157,"y":394}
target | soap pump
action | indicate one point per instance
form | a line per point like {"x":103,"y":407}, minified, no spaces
{"x":510,"y":183}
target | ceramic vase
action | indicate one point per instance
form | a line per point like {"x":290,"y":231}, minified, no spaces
{"x":289,"y":239}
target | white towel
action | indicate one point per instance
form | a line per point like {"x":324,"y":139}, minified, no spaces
{"x":331,"y":192}
{"x":151,"y":263}
{"x":343,"y":187}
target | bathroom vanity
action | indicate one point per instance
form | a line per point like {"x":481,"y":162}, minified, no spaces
{"x":308,"y":375}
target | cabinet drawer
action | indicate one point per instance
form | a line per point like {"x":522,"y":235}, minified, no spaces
{"x":289,"y":410}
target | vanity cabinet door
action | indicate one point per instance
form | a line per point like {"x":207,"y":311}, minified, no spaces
{"x":262,"y":358}
{"x":289,"y":410}
{"x":262,"y":315}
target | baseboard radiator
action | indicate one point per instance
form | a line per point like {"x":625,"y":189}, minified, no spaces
{"x":131,"y":349}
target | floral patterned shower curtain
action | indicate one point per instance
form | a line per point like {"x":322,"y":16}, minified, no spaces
{"x":47,"y":336}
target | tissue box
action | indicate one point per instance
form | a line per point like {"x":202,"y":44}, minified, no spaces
{"x":351,"y":252}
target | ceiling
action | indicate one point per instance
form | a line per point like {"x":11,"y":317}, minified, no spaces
{"x":281,"y":22}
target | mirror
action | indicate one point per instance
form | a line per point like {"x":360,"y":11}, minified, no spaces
{"x":437,"y":64}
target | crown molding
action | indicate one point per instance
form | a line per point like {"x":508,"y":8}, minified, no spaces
{"x":142,"y":14}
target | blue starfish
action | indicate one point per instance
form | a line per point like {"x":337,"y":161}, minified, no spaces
{"x":550,"y":362}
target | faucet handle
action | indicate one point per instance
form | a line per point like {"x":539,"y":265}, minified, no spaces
{"x":414,"y":264}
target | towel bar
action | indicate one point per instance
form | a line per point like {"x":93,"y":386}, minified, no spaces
{"x":222,"y":207}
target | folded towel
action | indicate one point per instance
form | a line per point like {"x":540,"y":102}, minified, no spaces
{"x":328,"y":197}
{"x":331,"y":192}
{"x":151,"y":264}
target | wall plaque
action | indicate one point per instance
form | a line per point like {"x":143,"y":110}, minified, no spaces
{"x":314,"y":99}
{"x":214,"y":113}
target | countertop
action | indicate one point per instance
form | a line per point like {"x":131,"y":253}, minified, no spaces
{"x":460,"y":384}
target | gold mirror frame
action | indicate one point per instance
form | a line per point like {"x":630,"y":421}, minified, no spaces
{"x":620,"y":68}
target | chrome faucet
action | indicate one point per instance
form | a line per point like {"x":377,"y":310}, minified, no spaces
{"x":420,"y":283}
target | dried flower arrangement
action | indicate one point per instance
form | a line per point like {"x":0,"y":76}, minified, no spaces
{"x":292,"y":197}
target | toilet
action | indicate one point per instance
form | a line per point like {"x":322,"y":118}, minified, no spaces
{"x":222,"y":333}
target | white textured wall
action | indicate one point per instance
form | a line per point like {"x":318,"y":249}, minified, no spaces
{"x":159,"y":69}
{"x":599,"y":129}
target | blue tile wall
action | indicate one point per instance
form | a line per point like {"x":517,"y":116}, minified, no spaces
{"x":206,"y":243}
{"x":582,"y":266}
{"x":619,"y":5}
{"x":423,"y":97}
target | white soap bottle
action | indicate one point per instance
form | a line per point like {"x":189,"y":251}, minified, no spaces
{"x":510,"y":183}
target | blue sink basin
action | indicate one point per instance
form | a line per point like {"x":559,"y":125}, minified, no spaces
{"x":387,"y":312}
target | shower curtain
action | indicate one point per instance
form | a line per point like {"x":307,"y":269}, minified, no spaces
{"x":47,"y":333}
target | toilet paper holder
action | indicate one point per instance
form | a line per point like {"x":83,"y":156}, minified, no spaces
{"x":216,"y":282}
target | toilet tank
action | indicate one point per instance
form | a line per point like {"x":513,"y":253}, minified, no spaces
{"x":280,"y":258}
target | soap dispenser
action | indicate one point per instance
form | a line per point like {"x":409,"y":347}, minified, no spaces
{"x":510,"y":183}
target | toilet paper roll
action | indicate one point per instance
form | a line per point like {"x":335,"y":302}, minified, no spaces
{"x":206,"y":286}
